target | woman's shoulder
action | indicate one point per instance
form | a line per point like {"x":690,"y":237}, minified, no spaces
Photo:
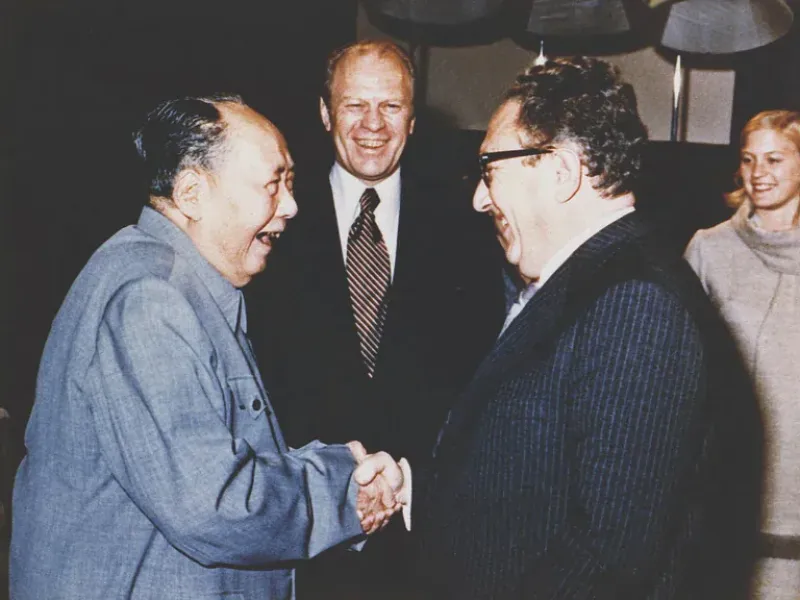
{"x":713,"y":248}
{"x":718,"y":236}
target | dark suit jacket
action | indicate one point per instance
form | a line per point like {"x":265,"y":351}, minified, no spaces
{"x":608,"y":446}
{"x":445,"y":309}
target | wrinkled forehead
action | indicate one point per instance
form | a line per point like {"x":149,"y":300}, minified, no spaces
{"x":504,"y":131}
{"x":243,"y":120}
{"x":371,"y":67}
{"x":251,"y":139}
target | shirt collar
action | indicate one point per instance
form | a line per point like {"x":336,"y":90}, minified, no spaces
{"x":229,"y":299}
{"x":560,"y":257}
{"x":242,"y":313}
{"x":347,"y":190}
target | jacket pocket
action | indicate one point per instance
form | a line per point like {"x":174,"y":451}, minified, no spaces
{"x":250,"y":413}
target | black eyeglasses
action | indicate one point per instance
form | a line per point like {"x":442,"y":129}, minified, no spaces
{"x":490,"y":157}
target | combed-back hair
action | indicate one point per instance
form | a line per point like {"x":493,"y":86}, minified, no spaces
{"x":585,"y":101}
{"x":180,"y":133}
{"x":785,"y":122}
{"x":380,"y":48}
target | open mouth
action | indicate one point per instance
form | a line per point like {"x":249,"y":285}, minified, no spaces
{"x":268,"y":237}
{"x":501,"y":230}
{"x":500,"y":223}
{"x":371,"y":144}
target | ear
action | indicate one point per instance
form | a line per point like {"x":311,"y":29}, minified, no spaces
{"x":188,"y":191}
{"x":569,"y":172}
{"x":324,"y":114}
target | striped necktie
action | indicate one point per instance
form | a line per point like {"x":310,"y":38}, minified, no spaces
{"x":368,"y":277}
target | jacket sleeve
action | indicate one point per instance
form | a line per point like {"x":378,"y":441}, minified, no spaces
{"x":634,"y":402}
{"x":160,"y":414}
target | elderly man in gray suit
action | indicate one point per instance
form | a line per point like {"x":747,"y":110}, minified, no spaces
{"x":156,"y":469}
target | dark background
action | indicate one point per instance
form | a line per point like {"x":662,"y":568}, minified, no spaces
{"x":80,"y":75}
{"x":76,"y":77}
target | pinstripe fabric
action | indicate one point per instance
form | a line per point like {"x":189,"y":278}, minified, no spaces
{"x":368,"y":277}
{"x":590,"y":453}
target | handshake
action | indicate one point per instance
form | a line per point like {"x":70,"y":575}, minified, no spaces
{"x":384,"y":487}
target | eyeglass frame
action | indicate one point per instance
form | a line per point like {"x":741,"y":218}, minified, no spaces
{"x":485,"y":158}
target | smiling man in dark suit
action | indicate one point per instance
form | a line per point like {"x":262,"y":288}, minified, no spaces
{"x":608,"y":445}
{"x":384,"y":296}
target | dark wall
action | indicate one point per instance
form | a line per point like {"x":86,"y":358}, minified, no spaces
{"x":767,"y":78}
{"x":81,"y":74}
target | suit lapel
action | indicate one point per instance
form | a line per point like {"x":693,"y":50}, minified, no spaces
{"x":321,"y":243}
{"x":536,"y":327}
{"x":412,"y":265}
{"x":323,"y":270}
{"x":542,"y":316}
{"x":413,"y":237}
{"x":528,"y":335}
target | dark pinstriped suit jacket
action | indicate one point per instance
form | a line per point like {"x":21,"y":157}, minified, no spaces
{"x":608,"y":446}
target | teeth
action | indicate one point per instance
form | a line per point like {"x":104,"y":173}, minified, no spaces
{"x":371,"y":143}
{"x":272,"y":236}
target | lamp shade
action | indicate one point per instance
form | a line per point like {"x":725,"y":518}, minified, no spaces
{"x":725,"y":26}
{"x":577,"y":17}
{"x":435,"y":12}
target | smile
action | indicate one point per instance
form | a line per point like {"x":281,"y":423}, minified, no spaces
{"x":371,"y":144}
{"x":268,"y":237}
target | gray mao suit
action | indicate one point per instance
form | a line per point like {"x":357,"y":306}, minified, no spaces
{"x":155,"y":468}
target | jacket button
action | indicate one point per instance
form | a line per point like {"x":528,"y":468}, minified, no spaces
{"x":257,"y":404}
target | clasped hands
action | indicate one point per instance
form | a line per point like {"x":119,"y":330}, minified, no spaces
{"x":383,"y":487}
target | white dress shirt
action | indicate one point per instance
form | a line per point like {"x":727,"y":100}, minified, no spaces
{"x":558,"y":259}
{"x":347,"y":191}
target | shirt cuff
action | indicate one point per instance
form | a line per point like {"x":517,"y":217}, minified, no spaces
{"x":404,"y":495}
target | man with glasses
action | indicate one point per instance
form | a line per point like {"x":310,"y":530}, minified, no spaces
{"x":608,"y":446}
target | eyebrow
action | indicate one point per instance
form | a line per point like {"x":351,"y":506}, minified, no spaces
{"x":750,"y":153}
{"x":381,"y":100}
{"x":280,"y":171}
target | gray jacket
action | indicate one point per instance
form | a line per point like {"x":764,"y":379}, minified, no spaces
{"x":156,"y":469}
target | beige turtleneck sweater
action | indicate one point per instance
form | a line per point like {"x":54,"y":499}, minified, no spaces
{"x":753,"y":277}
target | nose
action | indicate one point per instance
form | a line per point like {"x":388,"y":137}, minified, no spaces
{"x":373,"y":119}
{"x":758,"y":168}
{"x":481,"y":201}
{"x":287,"y":207}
